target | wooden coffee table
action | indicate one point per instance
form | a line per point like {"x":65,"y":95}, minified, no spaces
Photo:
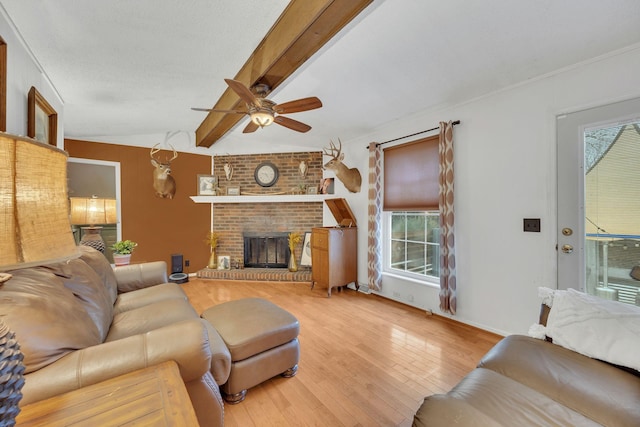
{"x":154,"y":396}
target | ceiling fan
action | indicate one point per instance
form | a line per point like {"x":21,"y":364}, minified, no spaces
{"x":263,"y":111}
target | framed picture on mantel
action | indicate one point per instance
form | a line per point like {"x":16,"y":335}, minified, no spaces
{"x":305,"y":259}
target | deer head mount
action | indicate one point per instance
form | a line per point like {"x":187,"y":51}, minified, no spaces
{"x":163,"y":182}
{"x":350,"y":177}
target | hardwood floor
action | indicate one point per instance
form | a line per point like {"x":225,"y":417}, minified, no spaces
{"x":365,"y":360}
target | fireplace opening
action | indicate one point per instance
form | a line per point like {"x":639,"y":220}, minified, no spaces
{"x":266,"y":250}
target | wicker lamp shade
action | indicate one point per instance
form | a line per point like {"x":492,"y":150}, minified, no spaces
{"x":11,"y":376}
{"x":34,"y":209}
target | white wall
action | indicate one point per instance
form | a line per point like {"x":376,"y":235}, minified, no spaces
{"x":22,"y":73}
{"x":505,"y":163}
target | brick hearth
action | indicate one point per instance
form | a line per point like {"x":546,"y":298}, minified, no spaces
{"x":258,"y":274}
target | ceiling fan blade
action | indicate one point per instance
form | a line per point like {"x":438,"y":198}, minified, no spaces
{"x":251,"y":127}
{"x":218,"y":111}
{"x":292,"y":124}
{"x":243,"y":92}
{"x":304,"y":104}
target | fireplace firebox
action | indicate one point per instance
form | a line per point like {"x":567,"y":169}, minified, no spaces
{"x":266,"y":250}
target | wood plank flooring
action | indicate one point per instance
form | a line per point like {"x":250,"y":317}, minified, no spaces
{"x":365,"y":360}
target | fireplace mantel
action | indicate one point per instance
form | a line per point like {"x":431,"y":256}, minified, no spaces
{"x":284,"y":198}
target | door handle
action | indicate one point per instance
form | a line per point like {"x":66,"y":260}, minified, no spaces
{"x":567,"y":249}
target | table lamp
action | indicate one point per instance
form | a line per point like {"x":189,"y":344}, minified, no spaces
{"x":91,"y":211}
{"x":34,"y":230}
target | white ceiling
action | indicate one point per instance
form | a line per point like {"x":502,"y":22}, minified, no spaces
{"x":126,"y":69}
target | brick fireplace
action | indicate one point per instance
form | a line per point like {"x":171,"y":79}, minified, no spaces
{"x":232,"y":220}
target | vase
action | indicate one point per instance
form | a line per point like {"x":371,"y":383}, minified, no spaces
{"x":213,"y":260}
{"x":121,"y":259}
{"x":11,"y":376}
{"x":293,"y":265}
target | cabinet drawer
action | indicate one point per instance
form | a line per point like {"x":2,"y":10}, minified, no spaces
{"x":320,"y":240}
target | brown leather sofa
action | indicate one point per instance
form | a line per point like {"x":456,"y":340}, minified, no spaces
{"x":524,"y":381}
{"x":80,"y":322}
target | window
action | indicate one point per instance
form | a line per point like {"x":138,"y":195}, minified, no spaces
{"x":412,"y":220}
{"x":414,"y":244}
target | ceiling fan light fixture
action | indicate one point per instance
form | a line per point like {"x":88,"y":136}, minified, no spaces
{"x":262,"y":117}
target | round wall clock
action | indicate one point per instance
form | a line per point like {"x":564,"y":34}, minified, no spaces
{"x":266,"y":174}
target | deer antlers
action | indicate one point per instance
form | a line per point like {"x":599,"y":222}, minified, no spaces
{"x":333,"y":149}
{"x":154,"y":150}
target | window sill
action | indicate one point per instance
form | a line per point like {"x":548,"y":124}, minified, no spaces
{"x":423,"y":282}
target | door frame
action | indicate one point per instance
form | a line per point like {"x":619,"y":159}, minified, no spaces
{"x":570,"y":188}
{"x":116,"y":182}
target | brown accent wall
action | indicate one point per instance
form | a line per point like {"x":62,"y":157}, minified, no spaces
{"x":231,"y":220}
{"x":161,"y":227}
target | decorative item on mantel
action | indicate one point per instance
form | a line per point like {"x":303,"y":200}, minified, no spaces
{"x":228,"y":169}
{"x":122,"y":251}
{"x":294,"y":240}
{"x":212,"y":241}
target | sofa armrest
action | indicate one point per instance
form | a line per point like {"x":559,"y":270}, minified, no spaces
{"x":137,"y":276}
{"x":220,"y":355}
{"x":185,"y":342}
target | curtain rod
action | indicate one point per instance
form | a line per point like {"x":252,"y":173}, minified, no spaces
{"x":457,"y":122}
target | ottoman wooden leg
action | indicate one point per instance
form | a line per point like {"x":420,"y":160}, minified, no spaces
{"x":235,"y":398}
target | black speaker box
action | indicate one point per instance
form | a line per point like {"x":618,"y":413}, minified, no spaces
{"x":176,"y":263}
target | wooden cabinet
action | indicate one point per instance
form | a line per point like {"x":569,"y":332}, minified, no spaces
{"x":334,"y":251}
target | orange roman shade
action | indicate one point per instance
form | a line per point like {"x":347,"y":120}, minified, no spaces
{"x":411,"y":176}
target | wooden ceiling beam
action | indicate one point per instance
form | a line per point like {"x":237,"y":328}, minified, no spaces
{"x":302,"y":29}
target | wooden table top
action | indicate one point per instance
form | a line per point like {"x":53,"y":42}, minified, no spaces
{"x":154,"y":396}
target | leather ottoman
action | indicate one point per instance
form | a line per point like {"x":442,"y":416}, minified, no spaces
{"x":262,"y":339}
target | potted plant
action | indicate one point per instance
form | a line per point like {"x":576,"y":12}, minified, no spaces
{"x":122,"y":251}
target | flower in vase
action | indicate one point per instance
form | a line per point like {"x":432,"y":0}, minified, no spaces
{"x":212,"y":239}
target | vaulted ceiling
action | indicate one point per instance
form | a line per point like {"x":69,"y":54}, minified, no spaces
{"x":127,"y":69}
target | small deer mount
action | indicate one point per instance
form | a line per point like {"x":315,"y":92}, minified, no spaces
{"x":350,"y":177}
{"x":163,"y":183}
{"x":303,"y":167}
{"x":228,"y":170}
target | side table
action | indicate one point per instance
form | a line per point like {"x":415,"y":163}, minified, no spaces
{"x":154,"y":396}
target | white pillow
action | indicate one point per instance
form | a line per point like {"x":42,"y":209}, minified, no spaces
{"x":598,"y":328}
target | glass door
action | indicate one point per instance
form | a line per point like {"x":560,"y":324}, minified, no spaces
{"x":599,"y":201}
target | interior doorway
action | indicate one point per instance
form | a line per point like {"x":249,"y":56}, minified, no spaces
{"x":96,"y":178}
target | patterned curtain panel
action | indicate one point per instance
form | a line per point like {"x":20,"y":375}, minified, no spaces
{"x":447,"y":243}
{"x":374,"y":255}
